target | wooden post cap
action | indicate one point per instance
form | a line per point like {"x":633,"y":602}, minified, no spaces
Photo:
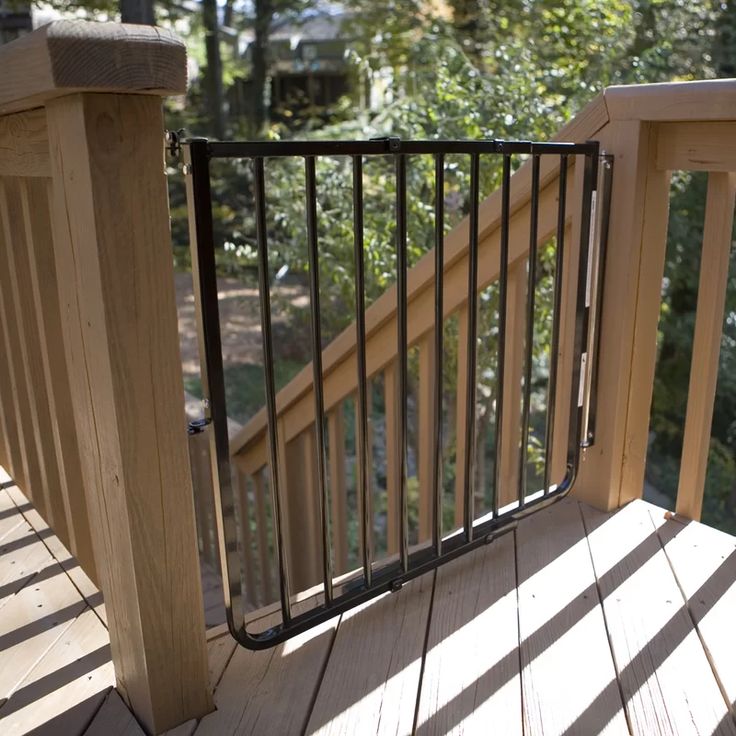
{"x":69,"y":56}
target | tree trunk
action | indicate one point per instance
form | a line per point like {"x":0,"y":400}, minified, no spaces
{"x":227,"y":14}
{"x":264,"y":15}
{"x":137,"y":11}
{"x":213,"y":72}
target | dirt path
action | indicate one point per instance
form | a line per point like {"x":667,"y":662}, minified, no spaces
{"x":240,"y":324}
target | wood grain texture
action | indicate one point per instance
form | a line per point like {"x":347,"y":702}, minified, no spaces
{"x":471,"y":668}
{"x":713,"y":282}
{"x":112,"y":248}
{"x":560,"y":622}
{"x":388,"y":633}
{"x":665,"y":677}
{"x":696,"y":146}
{"x":24,"y":144}
{"x":70,"y":56}
{"x":704,"y":563}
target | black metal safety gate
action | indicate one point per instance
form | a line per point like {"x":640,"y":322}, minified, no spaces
{"x":371,"y":581}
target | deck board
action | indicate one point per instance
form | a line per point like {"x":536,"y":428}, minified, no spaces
{"x":565,"y":655}
{"x":704,"y":563}
{"x":514,"y":635}
{"x":270,"y":691}
{"x":371,"y":681}
{"x":471,"y":668}
{"x":66,"y":688}
{"x":664,"y":674}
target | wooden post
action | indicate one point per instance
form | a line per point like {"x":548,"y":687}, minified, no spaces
{"x":612,"y":471}
{"x":116,"y":287}
{"x":99,"y":88}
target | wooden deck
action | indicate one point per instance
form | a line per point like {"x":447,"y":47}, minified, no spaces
{"x":578,"y":623}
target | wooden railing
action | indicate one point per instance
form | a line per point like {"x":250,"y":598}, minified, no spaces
{"x":92,"y":425}
{"x":651,"y":130}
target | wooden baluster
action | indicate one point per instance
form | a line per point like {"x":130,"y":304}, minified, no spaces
{"x":302,"y":529}
{"x":511,"y":430}
{"x":15,"y":354}
{"x":266,"y":590}
{"x":241,"y":490}
{"x":202,"y":484}
{"x":20,"y":238}
{"x":9,"y":428}
{"x":338,"y":487}
{"x":713,"y":282}
{"x":391,"y":403}
{"x":36,"y":196}
{"x":564,"y":368}
{"x":426,"y":422}
{"x":461,"y":412}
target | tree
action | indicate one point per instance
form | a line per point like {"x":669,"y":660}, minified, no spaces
{"x":213,"y":70}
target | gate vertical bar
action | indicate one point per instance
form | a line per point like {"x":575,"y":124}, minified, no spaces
{"x":265,"y":304}
{"x":319,"y":404}
{"x":439,"y":266}
{"x":503,"y":278}
{"x":470,"y":459}
{"x":401,"y":331}
{"x":362,"y":426}
{"x":556,"y":310}
{"x":529,"y":340}
{"x":204,"y":275}
{"x":582,"y":315}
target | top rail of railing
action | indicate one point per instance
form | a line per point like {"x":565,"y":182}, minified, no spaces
{"x":69,"y":56}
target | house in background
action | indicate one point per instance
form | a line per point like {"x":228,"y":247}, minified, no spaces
{"x":15,"y":20}
{"x":310,"y":69}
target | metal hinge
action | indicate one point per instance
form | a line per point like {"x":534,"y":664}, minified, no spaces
{"x":172,"y":140}
{"x":197,"y":426}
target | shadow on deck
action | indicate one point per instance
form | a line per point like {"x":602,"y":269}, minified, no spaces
{"x":579,"y":622}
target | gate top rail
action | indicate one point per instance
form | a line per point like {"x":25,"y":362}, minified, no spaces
{"x":389,"y":145}
{"x":68,"y":56}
